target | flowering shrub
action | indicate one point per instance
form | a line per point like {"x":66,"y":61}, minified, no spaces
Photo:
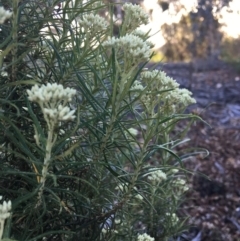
{"x":86,"y":145}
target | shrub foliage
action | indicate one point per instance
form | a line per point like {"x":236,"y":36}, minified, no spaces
{"x":86,"y":152}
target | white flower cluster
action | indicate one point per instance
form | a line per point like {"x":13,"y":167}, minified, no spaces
{"x":134,"y":16}
{"x":139,"y":197}
{"x":93,"y":23}
{"x":156,"y":176}
{"x":4,"y":214}
{"x":121,"y":187}
{"x":173,"y":218}
{"x":159,"y":79}
{"x":180,"y":184}
{"x":144,"y":237}
{"x":144,"y":36}
{"x":174,"y":170}
{"x":137,"y":86}
{"x":4,"y":14}
{"x":124,"y":188}
{"x":181,"y":96}
{"x":53,"y":99}
{"x":164,"y":92}
{"x":107,"y":230}
{"x":134,"y":48}
{"x":5,"y":209}
{"x":139,"y":33}
{"x":133,"y":131}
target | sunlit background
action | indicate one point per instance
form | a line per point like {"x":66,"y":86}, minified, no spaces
{"x":185,"y":29}
{"x":228,"y":16}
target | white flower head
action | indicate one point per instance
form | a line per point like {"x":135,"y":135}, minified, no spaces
{"x":133,"y":131}
{"x":181,"y":185}
{"x":173,"y":218}
{"x":144,"y":237}
{"x":121,"y":187}
{"x":164,"y":92}
{"x":139,"y":33}
{"x":5,"y":210}
{"x":137,"y":86}
{"x":174,"y":171}
{"x":4,"y":14}
{"x":53,"y":99}
{"x":93,"y":23}
{"x":134,"y":48}
{"x":139,"y":197}
{"x":134,"y":17}
{"x":156,"y":176}
{"x":184,"y":96}
{"x":104,"y":230}
{"x":159,"y":79}
{"x":117,"y":220}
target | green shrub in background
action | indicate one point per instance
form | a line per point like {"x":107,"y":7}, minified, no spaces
{"x":230,"y":52}
{"x":86,"y":152}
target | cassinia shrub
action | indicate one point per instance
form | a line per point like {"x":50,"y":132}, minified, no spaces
{"x":86,"y":146}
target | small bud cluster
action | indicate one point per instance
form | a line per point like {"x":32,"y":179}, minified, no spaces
{"x":4,"y":214}
{"x":134,"y":16}
{"x":107,"y":230}
{"x":174,"y":171}
{"x":180,"y":185}
{"x":53,"y":99}
{"x":159,"y":79}
{"x":144,"y":36}
{"x":137,"y":86}
{"x":121,"y":225}
{"x":144,"y":237}
{"x":5,"y":209}
{"x":157,"y":176}
{"x":173,"y":218}
{"x":139,"y":197}
{"x":139,"y":33}
{"x":93,"y":23}
{"x":4,"y":14}
{"x":121,"y":187}
{"x":133,"y":131}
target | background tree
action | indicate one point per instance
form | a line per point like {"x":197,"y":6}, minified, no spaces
{"x":197,"y":35}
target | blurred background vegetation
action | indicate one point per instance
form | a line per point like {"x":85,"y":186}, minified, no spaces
{"x":190,"y":30}
{"x":199,"y":34}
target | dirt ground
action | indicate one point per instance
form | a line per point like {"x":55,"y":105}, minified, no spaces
{"x":213,"y":205}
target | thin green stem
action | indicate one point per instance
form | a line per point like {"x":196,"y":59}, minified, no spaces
{"x":153,"y":190}
{"x":1,"y":227}
{"x":14,"y":38}
{"x":47,"y":160}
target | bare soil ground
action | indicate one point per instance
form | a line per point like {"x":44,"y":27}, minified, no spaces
{"x":213,"y":205}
